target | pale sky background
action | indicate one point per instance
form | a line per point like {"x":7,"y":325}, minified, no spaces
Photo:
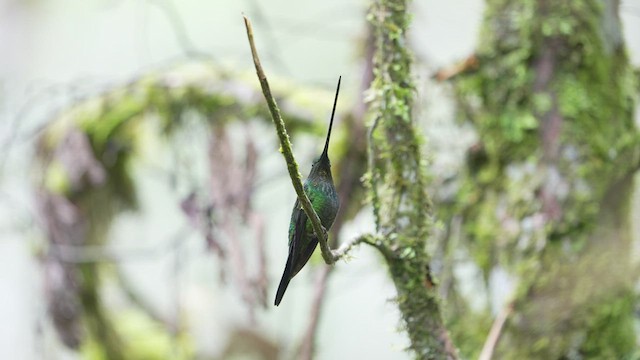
{"x":54,"y":52}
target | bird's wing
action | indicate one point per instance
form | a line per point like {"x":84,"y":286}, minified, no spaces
{"x":299,"y":233}
{"x":300,"y":221}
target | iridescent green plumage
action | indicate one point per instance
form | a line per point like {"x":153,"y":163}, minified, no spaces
{"x":324,"y":199}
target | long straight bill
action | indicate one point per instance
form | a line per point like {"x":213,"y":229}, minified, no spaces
{"x":333,"y":113}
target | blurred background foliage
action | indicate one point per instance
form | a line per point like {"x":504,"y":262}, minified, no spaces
{"x":144,"y":202}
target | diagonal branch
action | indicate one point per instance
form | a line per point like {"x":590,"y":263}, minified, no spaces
{"x":495,"y":332}
{"x":330,"y":256}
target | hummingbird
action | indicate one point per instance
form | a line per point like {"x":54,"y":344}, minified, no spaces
{"x":322,"y":193}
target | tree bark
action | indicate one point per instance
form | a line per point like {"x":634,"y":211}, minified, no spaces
{"x":547,"y":189}
{"x":397,"y":181}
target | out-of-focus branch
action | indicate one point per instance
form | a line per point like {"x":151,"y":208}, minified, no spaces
{"x":261,"y":279}
{"x":274,"y":50}
{"x":180,"y":30}
{"x":447,"y":73}
{"x":308,"y":340}
{"x":232,"y":187}
{"x":79,"y":254}
{"x":139,"y":301}
{"x":495,"y":332}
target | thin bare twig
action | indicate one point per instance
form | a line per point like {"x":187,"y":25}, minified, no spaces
{"x":495,"y":332}
{"x":447,"y":73}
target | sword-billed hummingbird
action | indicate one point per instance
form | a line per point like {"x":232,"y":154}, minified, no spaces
{"x":324,"y":199}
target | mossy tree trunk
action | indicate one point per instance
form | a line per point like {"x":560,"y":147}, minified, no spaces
{"x":397,"y":181}
{"x":546,"y":191}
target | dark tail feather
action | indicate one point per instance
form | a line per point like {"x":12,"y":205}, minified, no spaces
{"x":282,"y":288}
{"x":284,"y":282}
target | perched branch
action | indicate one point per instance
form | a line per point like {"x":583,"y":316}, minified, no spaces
{"x":330,"y":256}
{"x":368,"y":239}
{"x":287,"y":152}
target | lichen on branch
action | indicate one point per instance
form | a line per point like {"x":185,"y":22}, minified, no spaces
{"x":397,"y":180}
{"x":329,"y":256}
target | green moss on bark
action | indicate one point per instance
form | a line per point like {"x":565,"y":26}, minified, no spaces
{"x":552,"y":103}
{"x":397,"y":181}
